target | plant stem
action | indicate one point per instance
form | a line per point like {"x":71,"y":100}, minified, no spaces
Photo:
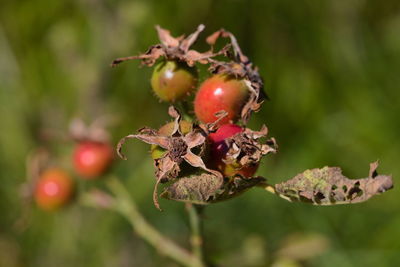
{"x":196,"y":239}
{"x":125,"y":205}
{"x":184,"y":109}
{"x":271,"y":189}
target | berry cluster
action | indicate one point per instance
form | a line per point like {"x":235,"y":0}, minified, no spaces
{"x":206,"y":153}
{"x":52,"y":186}
{"x":217,"y":142}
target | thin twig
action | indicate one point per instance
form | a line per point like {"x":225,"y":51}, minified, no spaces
{"x":125,"y":205}
{"x":196,"y":238}
{"x":184,"y":109}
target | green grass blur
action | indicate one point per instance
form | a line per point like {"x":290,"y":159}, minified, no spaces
{"x":331,"y":69}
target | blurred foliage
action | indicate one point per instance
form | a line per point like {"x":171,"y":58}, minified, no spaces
{"x":331,"y":69}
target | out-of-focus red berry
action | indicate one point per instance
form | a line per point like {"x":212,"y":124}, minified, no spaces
{"x":92,"y":159}
{"x":172,"y":81}
{"x":219,"y":150}
{"x":54,"y":189}
{"x":220,"y":92}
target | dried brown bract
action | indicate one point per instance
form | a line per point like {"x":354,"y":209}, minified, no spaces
{"x":179,"y":148}
{"x":240,"y":67}
{"x":95,"y":131}
{"x":245,"y":148}
{"x":173,"y":48}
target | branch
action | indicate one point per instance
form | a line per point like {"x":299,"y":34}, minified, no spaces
{"x":196,"y":238}
{"x":125,"y":205}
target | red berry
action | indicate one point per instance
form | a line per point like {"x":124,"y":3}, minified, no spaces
{"x":225,"y":131}
{"x":92,"y":159}
{"x":220,"y":92}
{"x":219,"y":150}
{"x":172,"y":80}
{"x":53,"y":189}
{"x":218,"y":145}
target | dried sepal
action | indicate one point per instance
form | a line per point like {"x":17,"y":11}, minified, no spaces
{"x":95,"y":131}
{"x":178,"y":149}
{"x":213,"y":126}
{"x":328,"y":186}
{"x":245,"y":148}
{"x":173,"y":48}
{"x":240,"y":67}
{"x":207,"y":188}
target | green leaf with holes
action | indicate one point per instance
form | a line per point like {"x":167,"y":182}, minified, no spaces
{"x":328,"y":186}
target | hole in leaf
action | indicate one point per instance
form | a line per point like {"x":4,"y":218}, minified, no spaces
{"x":355,"y":191}
{"x":320,"y":196}
{"x":344,"y":188}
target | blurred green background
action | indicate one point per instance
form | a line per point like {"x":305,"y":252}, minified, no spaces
{"x":331,"y":68}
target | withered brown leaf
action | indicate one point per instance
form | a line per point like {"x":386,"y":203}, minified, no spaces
{"x":173,"y":48}
{"x":207,"y":188}
{"x":328,"y":186}
{"x":178,"y":146}
{"x":245,"y":149}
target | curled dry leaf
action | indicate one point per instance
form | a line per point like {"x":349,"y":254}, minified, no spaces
{"x":207,"y":188}
{"x":173,"y":48}
{"x":240,"y":67}
{"x":328,"y":186}
{"x":178,"y":146}
{"x":245,"y":149}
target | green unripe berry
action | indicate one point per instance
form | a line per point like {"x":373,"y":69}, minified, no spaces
{"x":172,"y":81}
